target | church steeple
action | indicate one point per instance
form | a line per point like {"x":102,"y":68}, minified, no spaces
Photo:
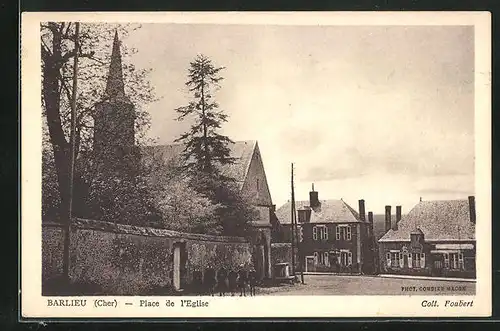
{"x":114,"y":118}
{"x":115,"y":88}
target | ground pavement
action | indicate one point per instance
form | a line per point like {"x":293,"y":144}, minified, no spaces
{"x":370,"y":285}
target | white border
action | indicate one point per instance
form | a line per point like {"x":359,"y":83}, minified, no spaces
{"x":34,"y":305}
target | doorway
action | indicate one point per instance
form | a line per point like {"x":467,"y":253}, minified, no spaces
{"x":178,"y":265}
{"x":309,"y":263}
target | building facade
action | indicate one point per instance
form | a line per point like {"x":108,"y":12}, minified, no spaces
{"x":436,"y":238}
{"x":331,"y":236}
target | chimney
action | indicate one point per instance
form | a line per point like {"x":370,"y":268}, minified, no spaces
{"x":362,"y":210}
{"x":472,"y":209}
{"x":398,"y":218}
{"x":370,"y":217}
{"x":387,"y":218}
{"x":313,"y":198}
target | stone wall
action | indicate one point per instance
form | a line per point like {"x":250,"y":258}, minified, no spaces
{"x":52,"y":250}
{"x":129,"y":260}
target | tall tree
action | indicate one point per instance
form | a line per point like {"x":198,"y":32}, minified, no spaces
{"x":206,"y":150}
{"x":57,"y":47}
{"x":205,"y":147}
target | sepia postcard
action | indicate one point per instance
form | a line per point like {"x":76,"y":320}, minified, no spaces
{"x":255,"y":165}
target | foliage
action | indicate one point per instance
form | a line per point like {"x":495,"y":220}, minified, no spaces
{"x":58,"y":48}
{"x":184,"y":209}
{"x":206,"y":150}
{"x":204,"y":146}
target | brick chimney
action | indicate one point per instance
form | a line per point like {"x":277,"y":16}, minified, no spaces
{"x":398,"y":218}
{"x":313,"y":198}
{"x":387,"y":218}
{"x":370,"y":217}
{"x":362,"y":214}
{"x":472,"y":209}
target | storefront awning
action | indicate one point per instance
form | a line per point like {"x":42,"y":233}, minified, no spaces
{"x":454,"y":246}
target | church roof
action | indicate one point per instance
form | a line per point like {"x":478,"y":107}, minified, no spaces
{"x":241,"y":152}
{"x":115,"y":87}
{"x":440,"y":220}
{"x":331,"y":211}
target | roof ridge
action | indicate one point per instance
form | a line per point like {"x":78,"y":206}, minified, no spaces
{"x":180,"y":144}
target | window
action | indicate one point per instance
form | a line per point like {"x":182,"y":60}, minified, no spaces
{"x":325,"y":259}
{"x":345,"y":258}
{"x":396,"y":259}
{"x":322,"y":258}
{"x":416,"y":260}
{"x":455,"y":261}
{"x":343,"y":232}
{"x":315,"y":257}
{"x":320,"y":231}
{"x":257,"y":184}
{"x":388,"y":259}
{"x":446,"y":260}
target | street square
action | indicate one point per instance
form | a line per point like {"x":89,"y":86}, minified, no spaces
{"x":370,"y":285}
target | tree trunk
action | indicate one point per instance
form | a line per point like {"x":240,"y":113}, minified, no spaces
{"x":204,"y":122}
{"x":51,"y":94}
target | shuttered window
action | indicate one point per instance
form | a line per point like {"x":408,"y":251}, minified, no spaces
{"x":446,"y":261}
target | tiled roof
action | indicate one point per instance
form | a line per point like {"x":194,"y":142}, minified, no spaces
{"x":331,"y":211}
{"x":444,"y":220}
{"x":241,"y":151}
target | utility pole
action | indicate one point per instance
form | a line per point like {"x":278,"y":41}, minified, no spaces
{"x":292,"y":217}
{"x":72,"y":153}
{"x":299,"y":245}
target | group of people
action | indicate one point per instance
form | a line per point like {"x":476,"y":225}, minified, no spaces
{"x":223,"y":281}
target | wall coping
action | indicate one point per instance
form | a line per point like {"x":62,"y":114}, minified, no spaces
{"x":150,"y":232}
{"x":53,"y":225}
{"x":281,"y":245}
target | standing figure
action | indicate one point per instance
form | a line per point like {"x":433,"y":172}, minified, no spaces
{"x":209,"y":281}
{"x":252,"y":280}
{"x":242,"y":280}
{"x":221,"y":281}
{"x":197,"y":281}
{"x":233,"y":281}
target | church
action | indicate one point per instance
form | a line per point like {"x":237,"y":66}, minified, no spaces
{"x":114,"y":138}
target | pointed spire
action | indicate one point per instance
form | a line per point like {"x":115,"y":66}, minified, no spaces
{"x":114,"y":86}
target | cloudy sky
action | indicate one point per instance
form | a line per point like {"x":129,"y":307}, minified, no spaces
{"x":380,"y":113}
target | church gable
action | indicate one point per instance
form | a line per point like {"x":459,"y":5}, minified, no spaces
{"x":255,"y":184}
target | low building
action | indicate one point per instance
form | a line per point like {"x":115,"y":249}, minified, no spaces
{"x":332,"y":236}
{"x":436,"y":238}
